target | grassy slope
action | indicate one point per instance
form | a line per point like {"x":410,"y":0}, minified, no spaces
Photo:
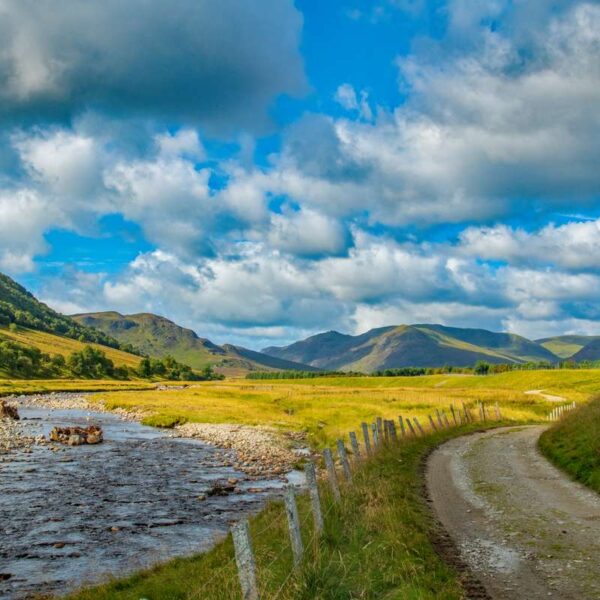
{"x":574,"y":444}
{"x":376,"y":544}
{"x":566,"y":346}
{"x":55,"y":344}
{"x":156,"y":336}
{"x":326,"y":408}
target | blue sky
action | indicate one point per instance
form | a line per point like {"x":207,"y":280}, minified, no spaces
{"x":261,"y":171}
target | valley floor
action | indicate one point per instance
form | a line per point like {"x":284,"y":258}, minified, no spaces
{"x":524,"y":528}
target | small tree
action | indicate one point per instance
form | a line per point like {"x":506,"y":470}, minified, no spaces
{"x":481,"y":368}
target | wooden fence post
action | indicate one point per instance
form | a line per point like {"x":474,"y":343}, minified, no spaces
{"x":354,"y":444}
{"x":365,"y":430}
{"x":446,"y":422}
{"x":432,"y":423}
{"x":439,"y":418}
{"x":344,"y":459}
{"x":291,"y":509}
{"x":379,"y":425}
{"x":410,"y":427}
{"x":244,"y":558}
{"x":393,"y":432}
{"x":386,"y":432}
{"x":421,"y":430}
{"x":467,"y":413}
{"x":313,"y":491}
{"x":453,"y":415}
{"x":401,"y":421}
{"x":376,"y":438}
{"x":498,"y":414}
{"x":481,"y":413}
{"x":333,"y":483}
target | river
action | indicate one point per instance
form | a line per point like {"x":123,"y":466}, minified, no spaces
{"x":73,"y":517}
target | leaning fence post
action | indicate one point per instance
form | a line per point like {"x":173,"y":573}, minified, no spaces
{"x":313,"y":492}
{"x":344,"y":459}
{"x":379,"y":425}
{"x":291,"y":509}
{"x":401,"y":421}
{"x":244,"y":558}
{"x":439,"y":418}
{"x":332,"y":474}
{"x":365,"y":430}
{"x":498,"y":415}
{"x":453,"y":414}
{"x":393,"y":432}
{"x":467,"y":413}
{"x":445,"y":420}
{"x":481,"y":413}
{"x":422,"y":431}
{"x":433,"y":427}
{"x":354,"y":444}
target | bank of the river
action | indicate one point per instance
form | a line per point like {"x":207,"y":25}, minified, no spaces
{"x":76,"y":515}
{"x":377,"y":543}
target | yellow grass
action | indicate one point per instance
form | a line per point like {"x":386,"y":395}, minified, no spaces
{"x":328,"y":408}
{"x":54,"y":344}
{"x":9,"y":387}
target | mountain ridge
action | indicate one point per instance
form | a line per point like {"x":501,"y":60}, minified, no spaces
{"x":159,"y":336}
{"x":417,"y":345}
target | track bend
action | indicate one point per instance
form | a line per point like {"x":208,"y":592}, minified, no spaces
{"x":523,"y":527}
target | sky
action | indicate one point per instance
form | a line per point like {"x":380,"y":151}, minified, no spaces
{"x":261,"y":171}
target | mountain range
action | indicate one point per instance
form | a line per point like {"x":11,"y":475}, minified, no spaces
{"x":428,"y":345}
{"x":422,"y":345}
{"x":160,"y":337}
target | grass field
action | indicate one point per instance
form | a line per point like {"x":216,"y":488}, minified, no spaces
{"x":574,"y":444}
{"x":55,"y":344}
{"x":376,"y":544}
{"x":9,"y":387}
{"x":327,"y":408}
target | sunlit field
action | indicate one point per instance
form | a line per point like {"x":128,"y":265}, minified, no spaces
{"x":9,"y":387}
{"x":327,"y":408}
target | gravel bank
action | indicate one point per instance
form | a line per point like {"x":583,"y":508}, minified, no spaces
{"x":260,"y":451}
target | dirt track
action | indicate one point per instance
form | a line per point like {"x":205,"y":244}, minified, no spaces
{"x":525,"y":529}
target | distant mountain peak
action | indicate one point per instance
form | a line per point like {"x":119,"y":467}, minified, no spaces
{"x":420,"y":345}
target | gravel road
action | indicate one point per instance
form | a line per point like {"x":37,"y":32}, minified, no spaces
{"x":523,"y":527}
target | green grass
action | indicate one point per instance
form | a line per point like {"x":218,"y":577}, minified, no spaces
{"x":573,"y":444}
{"x":376,"y":544}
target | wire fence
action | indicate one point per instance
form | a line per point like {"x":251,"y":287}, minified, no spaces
{"x":337,"y":475}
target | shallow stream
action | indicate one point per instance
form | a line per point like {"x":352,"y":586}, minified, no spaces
{"x":75,"y":516}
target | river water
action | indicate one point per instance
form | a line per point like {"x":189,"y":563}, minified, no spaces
{"x":72,"y":517}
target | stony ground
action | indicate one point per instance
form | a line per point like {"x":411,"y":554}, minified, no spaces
{"x":260,"y":451}
{"x":523,"y":527}
{"x":257,"y":451}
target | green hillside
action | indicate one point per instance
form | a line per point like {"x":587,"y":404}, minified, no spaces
{"x":411,"y":345}
{"x":565,"y":346}
{"x":158,"y":336}
{"x":155,"y":336}
{"x":19,"y":306}
{"x":590,"y":351}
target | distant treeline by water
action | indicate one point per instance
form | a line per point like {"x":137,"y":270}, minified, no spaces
{"x":480,"y":368}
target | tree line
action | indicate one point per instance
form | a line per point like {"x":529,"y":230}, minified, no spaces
{"x":18,"y":360}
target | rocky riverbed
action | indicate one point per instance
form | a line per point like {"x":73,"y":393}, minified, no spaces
{"x":74,"y":515}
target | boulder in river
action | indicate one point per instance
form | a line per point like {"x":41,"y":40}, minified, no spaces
{"x":8,"y":412}
{"x":77,"y":436}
